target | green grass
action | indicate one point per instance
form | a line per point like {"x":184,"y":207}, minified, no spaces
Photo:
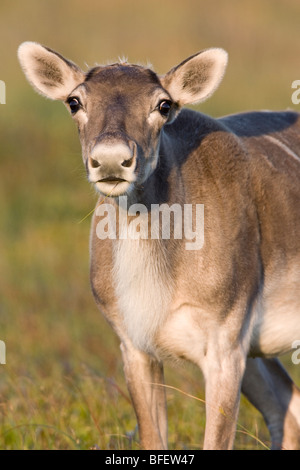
{"x":63,"y":384}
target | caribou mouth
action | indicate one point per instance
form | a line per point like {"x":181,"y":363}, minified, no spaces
{"x":112,"y":186}
{"x":112,"y":180}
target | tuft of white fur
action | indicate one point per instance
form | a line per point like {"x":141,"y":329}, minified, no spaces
{"x":123,"y":60}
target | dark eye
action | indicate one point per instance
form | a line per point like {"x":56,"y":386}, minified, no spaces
{"x":74,"y":104}
{"x":164,"y":107}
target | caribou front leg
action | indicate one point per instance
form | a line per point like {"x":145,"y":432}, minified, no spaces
{"x":145,"y":380}
{"x":223,"y":376}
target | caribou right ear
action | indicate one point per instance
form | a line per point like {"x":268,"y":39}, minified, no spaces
{"x":48,"y":72}
{"x":197,"y":77}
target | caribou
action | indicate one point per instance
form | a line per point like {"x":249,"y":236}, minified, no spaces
{"x":230,"y":305}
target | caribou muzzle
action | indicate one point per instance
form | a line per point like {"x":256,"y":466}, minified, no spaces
{"x":111,"y":166}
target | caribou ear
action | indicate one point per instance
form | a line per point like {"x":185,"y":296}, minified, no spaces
{"x":196,"y":78}
{"x":48,"y":72}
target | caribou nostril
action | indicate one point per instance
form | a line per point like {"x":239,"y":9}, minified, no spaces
{"x":127,"y":163}
{"x":94,"y":163}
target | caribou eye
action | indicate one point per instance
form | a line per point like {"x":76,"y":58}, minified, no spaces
{"x":74,"y":104}
{"x":164,"y":107}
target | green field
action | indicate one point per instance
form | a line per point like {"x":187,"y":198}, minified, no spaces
{"x":62,"y":386}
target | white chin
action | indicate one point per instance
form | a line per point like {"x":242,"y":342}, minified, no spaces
{"x":112,"y":189}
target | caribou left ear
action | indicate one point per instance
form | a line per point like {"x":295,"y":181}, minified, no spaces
{"x":196,"y":78}
{"x":48,"y":72}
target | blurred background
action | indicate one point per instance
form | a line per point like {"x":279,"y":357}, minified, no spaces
{"x":62,"y":386}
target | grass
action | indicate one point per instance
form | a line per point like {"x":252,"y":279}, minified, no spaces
{"x":80,"y":409}
{"x":63,"y":386}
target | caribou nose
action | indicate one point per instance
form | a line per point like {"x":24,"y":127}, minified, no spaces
{"x":111,"y":159}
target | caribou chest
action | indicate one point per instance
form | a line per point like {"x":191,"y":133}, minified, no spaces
{"x":143,"y":287}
